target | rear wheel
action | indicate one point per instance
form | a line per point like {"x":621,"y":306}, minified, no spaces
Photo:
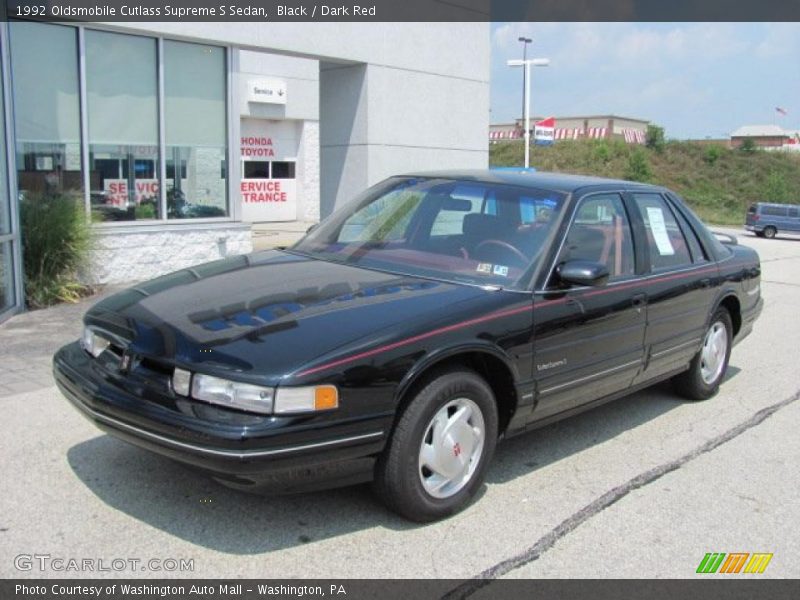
{"x":708,"y":366}
{"x":440,"y":449}
{"x":770,"y":232}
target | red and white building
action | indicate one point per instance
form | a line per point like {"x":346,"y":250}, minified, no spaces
{"x":628,"y":129}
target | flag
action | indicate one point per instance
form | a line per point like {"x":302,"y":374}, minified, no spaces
{"x":782,"y":111}
{"x":544,"y":131}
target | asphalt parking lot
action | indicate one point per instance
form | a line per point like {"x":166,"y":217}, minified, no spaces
{"x":643,"y":487}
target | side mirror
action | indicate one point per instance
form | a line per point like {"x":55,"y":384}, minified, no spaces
{"x":583,"y":272}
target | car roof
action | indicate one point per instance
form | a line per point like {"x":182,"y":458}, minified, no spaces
{"x":562,"y":182}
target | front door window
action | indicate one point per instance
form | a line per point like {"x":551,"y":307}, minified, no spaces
{"x":601,"y":233}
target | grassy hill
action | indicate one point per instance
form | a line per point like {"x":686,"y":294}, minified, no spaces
{"x":717,"y":182}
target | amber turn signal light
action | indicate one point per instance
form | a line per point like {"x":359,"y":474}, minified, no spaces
{"x":325,"y":397}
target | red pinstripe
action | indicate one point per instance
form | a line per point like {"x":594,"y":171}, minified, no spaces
{"x":416,"y":338}
{"x":497,"y":315}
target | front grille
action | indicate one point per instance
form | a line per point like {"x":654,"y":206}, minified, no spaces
{"x":143,"y":374}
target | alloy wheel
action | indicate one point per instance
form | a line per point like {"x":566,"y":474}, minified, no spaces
{"x":715,"y":349}
{"x":451,"y":448}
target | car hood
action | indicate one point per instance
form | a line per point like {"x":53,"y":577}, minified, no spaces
{"x":267,"y":314}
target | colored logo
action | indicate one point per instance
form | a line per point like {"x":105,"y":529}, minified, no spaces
{"x":457,"y":449}
{"x":735,"y":562}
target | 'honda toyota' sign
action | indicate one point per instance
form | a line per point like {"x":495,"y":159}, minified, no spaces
{"x":272,"y":91}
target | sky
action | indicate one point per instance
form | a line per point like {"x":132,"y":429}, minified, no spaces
{"x":696,"y":80}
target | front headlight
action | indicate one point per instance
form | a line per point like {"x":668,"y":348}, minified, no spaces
{"x":93,"y":343}
{"x":232,"y":394}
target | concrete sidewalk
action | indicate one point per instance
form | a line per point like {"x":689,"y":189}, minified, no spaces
{"x":29,"y":340}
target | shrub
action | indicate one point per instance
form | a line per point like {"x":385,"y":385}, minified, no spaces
{"x":654,"y":138}
{"x":601,"y":152}
{"x":776,"y":190}
{"x":638,"y":167}
{"x":145,"y":211}
{"x":748,"y":146}
{"x":56,"y":239}
{"x":712,"y":154}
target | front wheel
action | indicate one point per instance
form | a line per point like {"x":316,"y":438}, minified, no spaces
{"x":438,"y":454}
{"x":709,"y":365}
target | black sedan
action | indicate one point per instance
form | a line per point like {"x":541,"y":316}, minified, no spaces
{"x":414,"y":328}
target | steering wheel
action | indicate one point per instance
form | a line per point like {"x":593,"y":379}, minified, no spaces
{"x":506,"y":247}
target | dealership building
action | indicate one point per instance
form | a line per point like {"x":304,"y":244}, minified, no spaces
{"x":631,"y":130}
{"x":177,"y":137}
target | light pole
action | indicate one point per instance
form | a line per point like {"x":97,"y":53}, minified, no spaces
{"x":525,"y":41}
{"x":527,"y":63}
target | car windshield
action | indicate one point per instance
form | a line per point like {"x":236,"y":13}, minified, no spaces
{"x":462,"y":231}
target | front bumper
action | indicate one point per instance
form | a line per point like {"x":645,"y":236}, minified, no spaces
{"x":258,"y":453}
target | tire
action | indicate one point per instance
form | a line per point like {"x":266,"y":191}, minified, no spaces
{"x":770,"y":232}
{"x":404,"y":480}
{"x":705,"y":372}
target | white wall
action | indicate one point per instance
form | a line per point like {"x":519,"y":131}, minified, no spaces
{"x":302,"y":85}
{"x":449,"y":49}
{"x":308,"y":173}
{"x":126,"y":254}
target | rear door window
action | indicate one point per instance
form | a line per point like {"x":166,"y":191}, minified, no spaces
{"x":665,"y":241}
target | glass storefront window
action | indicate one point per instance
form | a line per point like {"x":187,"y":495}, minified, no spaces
{"x":5,"y":199}
{"x":122,"y":115}
{"x":6,"y":277}
{"x":122,"y":105}
{"x":44,"y":62}
{"x":195,"y":121}
{"x":7,"y":274}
